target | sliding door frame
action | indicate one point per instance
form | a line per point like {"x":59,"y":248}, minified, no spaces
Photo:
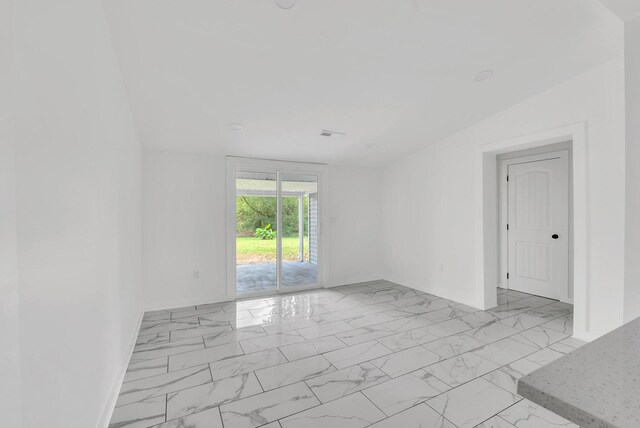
{"x":235,"y":164}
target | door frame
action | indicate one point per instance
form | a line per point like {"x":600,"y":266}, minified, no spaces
{"x":564,"y":295}
{"x":235,"y":163}
{"x":486,"y":214}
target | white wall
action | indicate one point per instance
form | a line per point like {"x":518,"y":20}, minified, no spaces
{"x":429,"y":200}
{"x":78,"y":213}
{"x":632,"y":249}
{"x":184,"y":227}
{"x":355,"y":247}
{"x":10,"y":406}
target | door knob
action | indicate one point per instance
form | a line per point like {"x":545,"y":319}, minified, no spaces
{"x":555,"y":236}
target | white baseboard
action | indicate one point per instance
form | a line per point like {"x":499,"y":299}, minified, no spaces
{"x":115,"y":388}
{"x":585,"y":336}
{"x":191,"y":301}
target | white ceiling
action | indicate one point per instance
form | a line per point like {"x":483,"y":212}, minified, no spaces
{"x":397,"y":74}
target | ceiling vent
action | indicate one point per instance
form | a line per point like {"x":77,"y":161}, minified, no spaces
{"x":327,"y":133}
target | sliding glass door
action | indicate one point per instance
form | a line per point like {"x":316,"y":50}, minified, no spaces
{"x":299,"y":230}
{"x":276,"y":229}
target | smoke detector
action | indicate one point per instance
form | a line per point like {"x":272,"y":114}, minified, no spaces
{"x":327,"y":133}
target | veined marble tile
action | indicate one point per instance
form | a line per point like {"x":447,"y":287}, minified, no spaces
{"x":328,"y":329}
{"x":372,"y":309}
{"x":405,"y":391}
{"x":544,"y":356}
{"x":353,"y":355}
{"x":492,"y":332}
{"x":509,"y":309}
{"x":461,"y":368}
{"x":406,"y":361}
{"x":153,"y":351}
{"x":270,"y":341}
{"x":495,"y":422}
{"x":331,"y":317}
{"x":453,"y":345}
{"x":527,"y":414}
{"x":563,"y":324}
{"x":540,"y":337}
{"x":204,"y":355}
{"x":246,"y":363}
{"x":448,"y":328}
{"x":411,"y":301}
{"x":406,"y":323}
{"x":367,"y":320}
{"x":408,"y":339}
{"x":148,"y":339}
{"x":311,"y":347}
{"x":445,"y":314}
{"x":506,"y":298}
{"x":346,"y":381}
{"x":146,"y":368}
{"x":554,"y":310}
{"x":232,"y":317}
{"x":507,"y":377}
{"x":268,"y":407}
{"x":479,"y":319}
{"x":286,"y":326}
{"x":230,"y":336}
{"x":207,"y":419}
{"x":142,"y":414}
{"x":198,"y":332}
{"x":514,"y":293}
{"x":567,"y":345}
{"x":176,"y":316}
{"x":211,"y":395}
{"x":505,"y":351}
{"x":523,"y":321}
{"x":364,"y":334}
{"x":352,"y":411}
{"x":153,"y":386}
{"x":293,"y":372}
{"x":420,"y":416}
{"x":472,"y":403}
{"x":536,"y":301}
{"x":166,"y":326}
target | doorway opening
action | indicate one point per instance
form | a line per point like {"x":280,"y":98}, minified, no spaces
{"x":535,"y":221}
{"x":273,"y":231}
{"x":489,"y":227}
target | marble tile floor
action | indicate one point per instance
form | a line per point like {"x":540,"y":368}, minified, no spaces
{"x":370,"y":354}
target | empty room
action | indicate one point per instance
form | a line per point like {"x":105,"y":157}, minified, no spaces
{"x":320,"y":213}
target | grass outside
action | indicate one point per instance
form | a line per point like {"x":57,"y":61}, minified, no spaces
{"x":250,"y":250}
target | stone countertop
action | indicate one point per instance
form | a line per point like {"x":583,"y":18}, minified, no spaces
{"x":597,"y":385}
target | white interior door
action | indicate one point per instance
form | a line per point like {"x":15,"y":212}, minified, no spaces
{"x":538,"y":227}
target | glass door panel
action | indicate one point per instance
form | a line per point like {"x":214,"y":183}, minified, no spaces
{"x":256,"y":232}
{"x":299,"y":226}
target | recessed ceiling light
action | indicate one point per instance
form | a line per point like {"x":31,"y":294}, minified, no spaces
{"x":236,"y":126}
{"x":285,"y":4}
{"x":484,"y":75}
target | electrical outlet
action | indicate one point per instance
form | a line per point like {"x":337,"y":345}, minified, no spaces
{"x":196,"y":274}
{"x":441,"y":267}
